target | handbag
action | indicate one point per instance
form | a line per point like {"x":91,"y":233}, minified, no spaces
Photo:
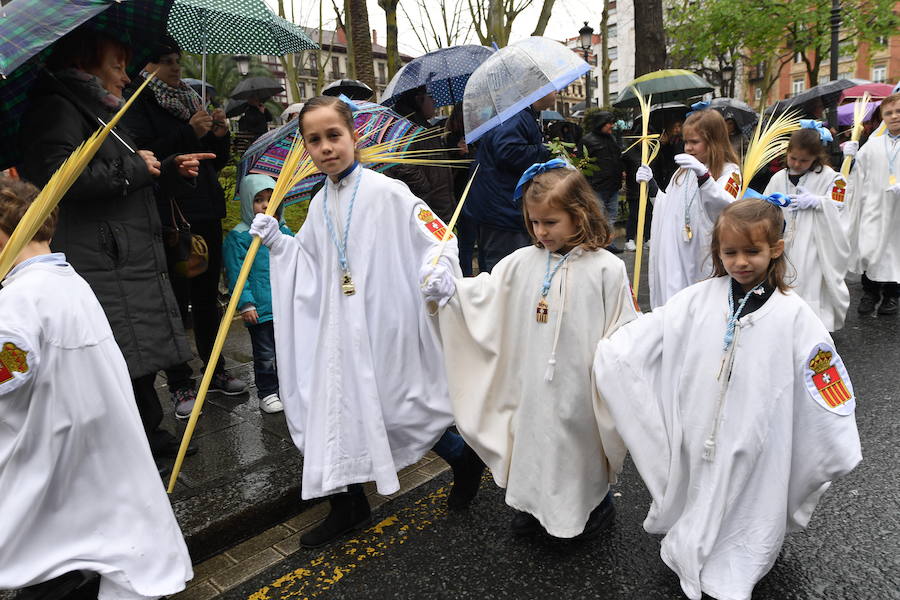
{"x":187,"y":254}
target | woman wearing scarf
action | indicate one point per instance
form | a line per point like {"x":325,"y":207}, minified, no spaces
{"x":169,"y":118}
{"x":108,"y":227}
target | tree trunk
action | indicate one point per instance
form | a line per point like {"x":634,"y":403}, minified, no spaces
{"x":495,"y":22}
{"x":649,"y":37}
{"x":546,"y":8}
{"x":393,"y":49}
{"x":289,"y":64}
{"x":348,"y":32}
{"x":605,"y":63}
{"x":361,"y":41}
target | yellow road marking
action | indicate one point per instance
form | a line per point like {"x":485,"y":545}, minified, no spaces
{"x":325,"y":570}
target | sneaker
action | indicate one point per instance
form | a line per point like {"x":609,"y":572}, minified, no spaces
{"x":647,"y":245}
{"x":271,"y":404}
{"x":184,"y":402}
{"x":524,"y":523}
{"x":630,"y":246}
{"x":888,"y":306}
{"x":867,"y":304}
{"x":224,"y":383}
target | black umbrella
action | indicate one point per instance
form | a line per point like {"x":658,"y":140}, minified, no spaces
{"x":262,"y":88}
{"x":198,"y":86}
{"x":828,"y":93}
{"x":235,"y":108}
{"x":740,"y":112}
{"x":661,"y":115}
{"x":352,"y":88}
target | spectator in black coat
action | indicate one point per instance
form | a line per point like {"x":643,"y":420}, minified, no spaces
{"x":607,"y":180}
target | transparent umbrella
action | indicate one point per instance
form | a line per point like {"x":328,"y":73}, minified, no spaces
{"x":513,"y":78}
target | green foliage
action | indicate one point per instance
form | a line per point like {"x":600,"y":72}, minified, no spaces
{"x":567,"y":151}
{"x":222,"y":74}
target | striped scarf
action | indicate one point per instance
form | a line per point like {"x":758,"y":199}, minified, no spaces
{"x":182,"y":101}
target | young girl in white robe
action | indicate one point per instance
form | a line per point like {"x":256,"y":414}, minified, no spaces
{"x":361,"y":370}
{"x":518,"y":344}
{"x":80,"y":490}
{"x":816,"y":238}
{"x":707,"y":181}
{"x":736,"y":408}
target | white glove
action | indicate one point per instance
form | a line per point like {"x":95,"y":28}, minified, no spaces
{"x":894,"y":189}
{"x":265,"y":228}
{"x":437,"y":283}
{"x":644,"y":173}
{"x":850,"y":148}
{"x":686,"y":161}
{"x":804,"y":200}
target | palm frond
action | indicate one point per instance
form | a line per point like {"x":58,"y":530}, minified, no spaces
{"x":768,"y":142}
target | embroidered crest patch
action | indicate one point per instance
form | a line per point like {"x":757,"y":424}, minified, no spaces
{"x":733,"y":186}
{"x":827,"y":381}
{"x":839,"y":190}
{"x":12,"y":359}
{"x":432,"y":224}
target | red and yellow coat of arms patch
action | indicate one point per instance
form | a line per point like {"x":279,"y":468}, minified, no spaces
{"x":12,"y":359}
{"x":838,"y":191}
{"x":432,"y":224}
{"x":827,"y":381}
{"x":733,"y":186}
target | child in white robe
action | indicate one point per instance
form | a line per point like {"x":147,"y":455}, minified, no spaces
{"x":736,"y":408}
{"x":816,"y":237}
{"x":518,"y":344}
{"x":875,"y":181}
{"x":80,"y":489}
{"x":361,"y":370}
{"x":707,"y":181}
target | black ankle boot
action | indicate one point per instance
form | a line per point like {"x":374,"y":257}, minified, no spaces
{"x":467,"y":472}
{"x":349,"y":511}
{"x":600,"y":518}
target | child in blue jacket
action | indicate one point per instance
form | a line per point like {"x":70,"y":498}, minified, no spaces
{"x":256,"y":299}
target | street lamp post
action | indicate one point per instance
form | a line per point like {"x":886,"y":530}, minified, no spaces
{"x":587,"y":39}
{"x":727,"y":79}
{"x":243,"y":63}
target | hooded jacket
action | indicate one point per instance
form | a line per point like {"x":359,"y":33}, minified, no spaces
{"x":258,"y":291}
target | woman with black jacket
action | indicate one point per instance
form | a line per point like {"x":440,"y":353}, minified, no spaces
{"x":168,"y":118}
{"x":109,"y":228}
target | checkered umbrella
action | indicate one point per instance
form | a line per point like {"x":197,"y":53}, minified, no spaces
{"x":29,"y":29}
{"x":444,"y":74}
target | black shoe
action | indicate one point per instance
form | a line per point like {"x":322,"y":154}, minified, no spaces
{"x":867,"y":304}
{"x":524,"y":523}
{"x":349,"y":511}
{"x":599,"y":519}
{"x":165,"y":445}
{"x":69,"y":586}
{"x":467,"y":472}
{"x":888,"y":306}
{"x":614,"y":249}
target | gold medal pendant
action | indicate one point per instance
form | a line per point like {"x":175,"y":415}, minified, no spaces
{"x":347,"y":285}
{"x":892,"y":179}
{"x":688,"y":234}
{"x":542,"y":311}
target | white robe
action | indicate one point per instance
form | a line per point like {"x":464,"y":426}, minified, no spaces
{"x":877,"y":215}
{"x":80,"y":490}
{"x":539,"y":438}
{"x":817,"y":243}
{"x":675,"y":262}
{"x":778,"y":446}
{"x":361,"y":377}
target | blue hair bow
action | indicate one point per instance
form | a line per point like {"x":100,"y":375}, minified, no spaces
{"x":824,"y":134}
{"x":703,"y":104}
{"x":535,"y":170}
{"x":353,"y":107}
{"x":779,"y":200}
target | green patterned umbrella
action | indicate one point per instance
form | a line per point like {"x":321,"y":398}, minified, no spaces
{"x":234,"y":26}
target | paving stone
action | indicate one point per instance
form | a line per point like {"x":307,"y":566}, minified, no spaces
{"x":202,"y":591}
{"x":206,"y":569}
{"x":245,"y":569}
{"x":256,"y":544}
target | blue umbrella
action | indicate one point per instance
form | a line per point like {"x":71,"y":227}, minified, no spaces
{"x":444,"y":74}
{"x":29,"y":29}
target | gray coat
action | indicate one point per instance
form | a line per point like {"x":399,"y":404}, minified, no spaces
{"x":108,"y":226}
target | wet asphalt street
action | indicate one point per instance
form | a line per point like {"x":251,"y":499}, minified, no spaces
{"x":416,"y":549}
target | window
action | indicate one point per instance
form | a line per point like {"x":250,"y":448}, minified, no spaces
{"x":879,"y":73}
{"x":382,"y":74}
{"x":302,"y":90}
{"x":613,"y":96}
{"x":611,"y":32}
{"x":613,"y":77}
{"x":881,"y":40}
{"x":757,"y":94}
{"x":798,"y":85}
{"x":614,"y":53}
{"x":798,"y":57}
{"x":335,"y":67}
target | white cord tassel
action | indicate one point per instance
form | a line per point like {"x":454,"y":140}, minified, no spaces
{"x":551,"y":368}
{"x":709,"y":449}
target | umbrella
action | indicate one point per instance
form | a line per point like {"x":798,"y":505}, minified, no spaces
{"x":352,"y":88}
{"x":262,"y":88}
{"x":290,"y":111}
{"x":845,"y":112}
{"x":229,"y":26}
{"x":661,"y":115}
{"x":664,"y":86}
{"x":551,"y":115}
{"x":30,"y":27}
{"x":235,"y":108}
{"x":513,"y":78}
{"x":740,"y":112}
{"x":266,"y":155}
{"x":198,"y":86}
{"x":878,"y":91}
{"x":444,"y":73}
{"x":828,"y":93}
